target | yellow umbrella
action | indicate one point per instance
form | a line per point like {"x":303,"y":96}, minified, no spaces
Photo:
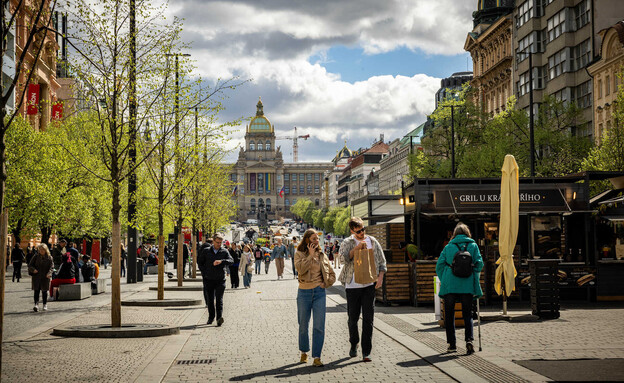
{"x":504,"y":283}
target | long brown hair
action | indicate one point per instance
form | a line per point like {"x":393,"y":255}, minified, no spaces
{"x":460,"y":229}
{"x":303,"y":246}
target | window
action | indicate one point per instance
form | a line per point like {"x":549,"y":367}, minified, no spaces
{"x":268,"y":204}
{"x":252,"y":146}
{"x":582,"y":95}
{"x":286,"y":177}
{"x":242,"y":190}
{"x":294,"y":201}
{"x":294,"y":190}
{"x":525,"y":11}
{"x":233,"y":177}
{"x":279,"y":177}
{"x":316,"y":190}
{"x":309,"y":176}
{"x":309,"y":189}
{"x":268,"y":145}
{"x":542,"y":77}
{"x":523,"y":83}
{"x":259,"y":146}
{"x":599,"y":88}
{"x":556,"y":64}
{"x":260,"y":203}
{"x":286,"y":202}
{"x":317,"y":176}
{"x":301,"y":190}
{"x":581,"y":14}
{"x":301,"y":177}
{"x":316,"y":202}
{"x":525,"y":46}
{"x":561,"y":95}
{"x":286,"y":190}
{"x":607,"y":86}
{"x":556,"y":25}
{"x":580,"y":55}
{"x":253,"y":204}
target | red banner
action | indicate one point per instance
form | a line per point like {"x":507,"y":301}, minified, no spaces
{"x":32,"y":105}
{"x":57,"y":111}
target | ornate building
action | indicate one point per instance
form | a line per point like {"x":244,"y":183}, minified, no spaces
{"x":606,"y":81}
{"x":490,"y":45}
{"x":261,"y":175}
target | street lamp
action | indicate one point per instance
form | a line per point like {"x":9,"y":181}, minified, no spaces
{"x":452,"y":136}
{"x":531,"y":126}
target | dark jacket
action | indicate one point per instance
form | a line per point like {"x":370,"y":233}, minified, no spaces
{"x":206,"y":259}
{"x":88,"y":271}
{"x":236,"y":256}
{"x":43,"y":264}
{"x":17,"y":255}
{"x":66,"y":269}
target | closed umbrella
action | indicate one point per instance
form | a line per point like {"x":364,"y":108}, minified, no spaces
{"x":504,"y":283}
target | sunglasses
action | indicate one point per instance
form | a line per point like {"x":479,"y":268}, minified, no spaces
{"x":360,"y":231}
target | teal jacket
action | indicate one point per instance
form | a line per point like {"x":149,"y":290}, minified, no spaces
{"x":449,"y":283}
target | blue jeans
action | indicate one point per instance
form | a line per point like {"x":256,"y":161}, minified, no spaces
{"x":258,"y":265}
{"x":311,"y":301}
{"x":247,"y":279}
{"x":449,"y":316}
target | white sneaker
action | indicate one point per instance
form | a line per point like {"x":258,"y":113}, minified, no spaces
{"x":45,"y":307}
{"x":36,"y":308}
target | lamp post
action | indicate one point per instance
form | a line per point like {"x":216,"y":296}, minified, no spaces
{"x":452,"y":137}
{"x":531,"y":124}
{"x":131,"y":275}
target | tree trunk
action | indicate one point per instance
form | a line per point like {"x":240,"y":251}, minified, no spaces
{"x":46,"y":232}
{"x":161,"y":231}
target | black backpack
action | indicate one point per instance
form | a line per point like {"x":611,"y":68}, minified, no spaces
{"x":462,"y":263}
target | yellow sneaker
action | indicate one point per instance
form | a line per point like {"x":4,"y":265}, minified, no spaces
{"x":304,"y":358}
{"x":317,"y":362}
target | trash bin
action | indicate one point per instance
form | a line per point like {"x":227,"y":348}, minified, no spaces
{"x":139,"y":270}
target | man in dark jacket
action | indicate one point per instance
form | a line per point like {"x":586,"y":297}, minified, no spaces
{"x":17,"y":257}
{"x":212,"y":262}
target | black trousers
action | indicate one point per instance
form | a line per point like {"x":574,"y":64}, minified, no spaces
{"x":45,"y":296}
{"x":17,"y":270}
{"x":361,"y":300}
{"x":214,"y":289}
{"x":234,"y":276}
{"x":449,"y":316}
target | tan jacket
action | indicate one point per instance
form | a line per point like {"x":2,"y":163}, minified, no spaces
{"x":302,"y":265}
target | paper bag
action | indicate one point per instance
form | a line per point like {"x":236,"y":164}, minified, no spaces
{"x":364,"y":264}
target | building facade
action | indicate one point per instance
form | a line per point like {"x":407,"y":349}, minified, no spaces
{"x":606,"y":80}
{"x":330,"y":188}
{"x":449,"y":85}
{"x":267,"y":186}
{"x":394,"y":165}
{"x":360,"y":168}
{"x":490,"y":46}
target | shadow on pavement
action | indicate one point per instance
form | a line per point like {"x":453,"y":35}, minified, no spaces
{"x":288,"y":370}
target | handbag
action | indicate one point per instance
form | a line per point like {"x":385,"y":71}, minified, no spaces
{"x":329,"y":276}
{"x":250,"y":268}
{"x":31,"y":271}
{"x":365,"y":271}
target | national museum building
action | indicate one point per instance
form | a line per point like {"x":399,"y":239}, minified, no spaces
{"x":261,"y":174}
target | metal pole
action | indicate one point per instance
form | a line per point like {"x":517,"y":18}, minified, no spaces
{"x":131,"y":275}
{"x":4,"y":224}
{"x":531,"y":126}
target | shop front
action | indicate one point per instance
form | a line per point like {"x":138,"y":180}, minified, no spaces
{"x":557,"y":222}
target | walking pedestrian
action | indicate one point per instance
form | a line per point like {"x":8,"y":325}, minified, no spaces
{"x":235,"y":253}
{"x":459,"y":289}
{"x":336,"y":251}
{"x":186,"y":253}
{"x":212,"y":262}
{"x":124,"y":256}
{"x":58,"y":252}
{"x":17,"y":257}
{"x":258,"y":258}
{"x":246,"y":266}
{"x":280,"y":252}
{"x":267,"y":262}
{"x":315,"y":275}
{"x":40,"y":268}
{"x":360,"y":297}
{"x":30,"y":251}
{"x":292,"y":248}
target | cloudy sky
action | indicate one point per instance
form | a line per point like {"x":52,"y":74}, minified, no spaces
{"x":336,"y":69}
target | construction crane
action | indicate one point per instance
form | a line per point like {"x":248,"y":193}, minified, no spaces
{"x":295,"y":144}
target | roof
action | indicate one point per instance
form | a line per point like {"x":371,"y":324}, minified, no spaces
{"x":379,"y":147}
{"x":260,"y":124}
{"x":415,"y":133}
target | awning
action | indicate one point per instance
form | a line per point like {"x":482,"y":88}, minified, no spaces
{"x":613,"y":218}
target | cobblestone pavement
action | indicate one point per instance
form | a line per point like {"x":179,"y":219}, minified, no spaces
{"x":258,"y":341}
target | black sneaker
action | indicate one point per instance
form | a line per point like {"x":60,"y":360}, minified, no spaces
{"x":469,"y":348}
{"x":210,"y":320}
{"x":353,"y":351}
{"x":451,"y":348}
{"x":219,"y":322}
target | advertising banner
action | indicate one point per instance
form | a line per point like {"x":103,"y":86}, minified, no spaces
{"x":32,"y":105}
{"x":57,"y":111}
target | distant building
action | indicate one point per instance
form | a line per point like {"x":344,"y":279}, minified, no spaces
{"x":261,"y":174}
{"x":394,"y":165}
{"x":8,"y":61}
{"x":341,"y":161}
{"x":361,"y":166}
{"x":605,"y":72}
{"x":449,"y":85}
{"x":490,"y":45}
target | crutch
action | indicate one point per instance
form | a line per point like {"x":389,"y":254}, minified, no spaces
{"x":479,"y":323}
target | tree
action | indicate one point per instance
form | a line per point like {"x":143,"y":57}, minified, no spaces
{"x":329,"y":219}
{"x":341,"y":226}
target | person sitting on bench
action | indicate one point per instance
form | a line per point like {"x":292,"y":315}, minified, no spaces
{"x":88,"y":271}
{"x":152,"y":260}
{"x":66,"y":275}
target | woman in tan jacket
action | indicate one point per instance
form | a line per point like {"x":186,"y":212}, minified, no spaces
{"x":244,"y":266}
{"x":315,"y":275}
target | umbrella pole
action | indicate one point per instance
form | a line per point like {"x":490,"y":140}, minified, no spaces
{"x":504,"y":295}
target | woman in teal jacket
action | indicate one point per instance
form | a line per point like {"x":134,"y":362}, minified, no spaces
{"x":456,"y":289}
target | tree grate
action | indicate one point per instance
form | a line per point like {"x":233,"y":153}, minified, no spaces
{"x":197,"y":361}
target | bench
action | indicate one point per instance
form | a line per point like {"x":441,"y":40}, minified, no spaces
{"x":99,"y":288}
{"x":74,"y":292}
{"x":152,"y":270}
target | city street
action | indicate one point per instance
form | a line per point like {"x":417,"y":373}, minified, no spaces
{"x":258,"y":341}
